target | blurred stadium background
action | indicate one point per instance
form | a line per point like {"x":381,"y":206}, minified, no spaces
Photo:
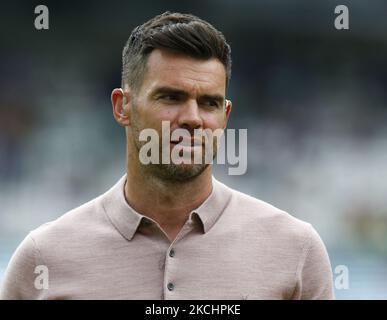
{"x":314,"y":101}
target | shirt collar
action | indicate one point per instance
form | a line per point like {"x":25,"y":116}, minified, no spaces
{"x":127,"y":220}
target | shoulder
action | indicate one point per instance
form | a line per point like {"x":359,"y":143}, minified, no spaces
{"x":288,"y":237}
{"x":66,"y":238}
{"x":74,"y":233}
{"x":265,"y":219}
{"x":263,"y":223}
{"x":38,"y":249}
{"x":79,"y":219}
{"x":88,"y":221}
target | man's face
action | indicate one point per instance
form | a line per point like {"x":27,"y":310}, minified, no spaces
{"x":187,"y":92}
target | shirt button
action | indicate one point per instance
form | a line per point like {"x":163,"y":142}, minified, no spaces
{"x":170,"y":286}
{"x":172,"y":253}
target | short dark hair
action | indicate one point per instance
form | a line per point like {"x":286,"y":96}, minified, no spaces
{"x":181,"y":33}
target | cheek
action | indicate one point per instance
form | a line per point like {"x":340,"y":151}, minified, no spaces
{"x":214,"y":121}
{"x":153,"y":118}
{"x":165,"y":114}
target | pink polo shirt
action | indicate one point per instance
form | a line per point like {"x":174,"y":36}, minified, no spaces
{"x":233,"y":246}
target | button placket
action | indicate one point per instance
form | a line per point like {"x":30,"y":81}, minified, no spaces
{"x":171,"y":261}
{"x":170,"y":270}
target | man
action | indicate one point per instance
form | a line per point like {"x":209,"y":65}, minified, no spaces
{"x":171,"y":230}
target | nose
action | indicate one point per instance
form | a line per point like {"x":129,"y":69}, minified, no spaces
{"x":189,"y":116}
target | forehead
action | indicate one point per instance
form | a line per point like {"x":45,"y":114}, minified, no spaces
{"x":165,"y":68}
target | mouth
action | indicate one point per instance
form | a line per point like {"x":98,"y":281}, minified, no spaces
{"x":187,"y":142}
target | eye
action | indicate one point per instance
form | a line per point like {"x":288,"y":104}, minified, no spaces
{"x":211,"y":103}
{"x":169,"y":97}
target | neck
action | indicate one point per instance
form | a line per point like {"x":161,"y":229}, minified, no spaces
{"x":167,"y":202}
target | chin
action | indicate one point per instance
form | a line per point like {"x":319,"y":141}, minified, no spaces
{"x":180,"y":172}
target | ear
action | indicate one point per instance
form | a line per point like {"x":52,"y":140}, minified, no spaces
{"x":227,"y":110}
{"x":121,"y":105}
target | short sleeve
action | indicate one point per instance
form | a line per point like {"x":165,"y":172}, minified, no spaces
{"x":314,"y":278}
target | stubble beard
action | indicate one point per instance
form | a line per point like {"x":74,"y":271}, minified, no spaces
{"x":166,"y":172}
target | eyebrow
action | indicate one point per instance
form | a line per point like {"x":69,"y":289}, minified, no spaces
{"x":171,"y":90}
